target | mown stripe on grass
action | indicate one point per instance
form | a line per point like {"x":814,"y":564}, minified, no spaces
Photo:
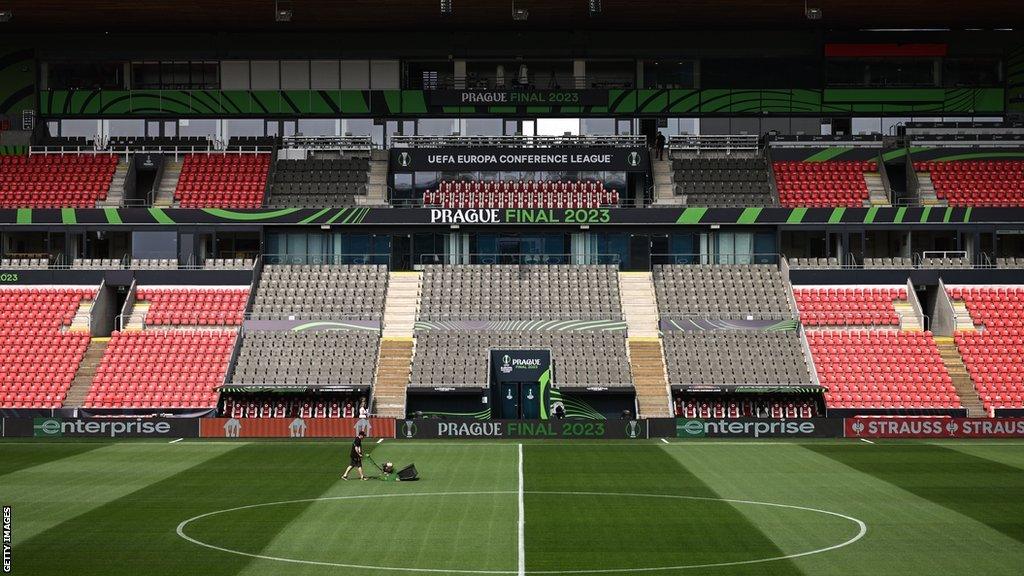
{"x":17,"y":457}
{"x":989,"y":492}
{"x":588,"y":532}
{"x":135,"y":533}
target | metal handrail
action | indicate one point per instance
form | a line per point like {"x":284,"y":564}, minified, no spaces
{"x":718,"y":259}
{"x":353,"y":258}
{"x":519,"y":259}
{"x":620,"y":141}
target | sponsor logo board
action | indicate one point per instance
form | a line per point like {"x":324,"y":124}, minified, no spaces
{"x":103,"y":427}
{"x":933,"y":427}
{"x":747,"y":428}
{"x":561,"y":429}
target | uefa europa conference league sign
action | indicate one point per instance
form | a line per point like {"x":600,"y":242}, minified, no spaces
{"x":592,"y":159}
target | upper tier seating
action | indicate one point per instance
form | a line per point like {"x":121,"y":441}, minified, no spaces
{"x":847,"y":306}
{"x":724,"y":182}
{"x":881,"y":369}
{"x":194,"y":306}
{"x":39,"y":360}
{"x":994,"y":356}
{"x":730,"y":357}
{"x":314,"y":183}
{"x":527,"y":292}
{"x":251,"y":142}
{"x":823,"y":184}
{"x":164,"y":142}
{"x":977,"y":183}
{"x":321,"y":292}
{"x":162,"y":369}
{"x":721,"y":291}
{"x":805,"y":263}
{"x":899,"y":262}
{"x":222,"y":180}
{"x":580,"y":359}
{"x":71,"y":181}
{"x":321,"y":357}
{"x":24,"y":263}
{"x":520,"y":194}
{"x":733,"y":408}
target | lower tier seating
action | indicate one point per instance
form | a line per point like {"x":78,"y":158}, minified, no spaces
{"x":194,"y":306}
{"x":728,"y":357}
{"x":531,"y":194}
{"x":998,"y":183}
{"x":321,"y":357}
{"x":994,"y":356}
{"x":823,"y":184}
{"x":46,"y":181}
{"x":223,"y":180}
{"x":881,"y":369}
{"x":38,"y":358}
{"x":162,"y":369}
{"x":849,"y":306}
{"x":460,"y":359}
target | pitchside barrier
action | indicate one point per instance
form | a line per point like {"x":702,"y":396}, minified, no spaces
{"x":417,"y":429}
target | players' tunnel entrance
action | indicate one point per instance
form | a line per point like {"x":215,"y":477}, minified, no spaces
{"x":520,"y":379}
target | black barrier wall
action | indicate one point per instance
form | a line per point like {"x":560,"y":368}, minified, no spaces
{"x":746,"y":428}
{"x":101,"y":428}
{"x":562,"y":429}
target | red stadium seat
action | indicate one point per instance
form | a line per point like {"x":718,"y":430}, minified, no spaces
{"x":223,"y":180}
{"x":52,"y":181}
{"x":822,"y":184}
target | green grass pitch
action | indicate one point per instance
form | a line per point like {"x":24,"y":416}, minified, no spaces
{"x":696,"y":507}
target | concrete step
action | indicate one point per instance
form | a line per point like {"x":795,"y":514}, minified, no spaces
{"x":958,"y":373}
{"x":650,"y":377}
{"x":86,"y":372}
{"x":394,"y":367}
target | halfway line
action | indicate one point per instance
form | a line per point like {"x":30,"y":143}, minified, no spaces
{"x":522,"y":518}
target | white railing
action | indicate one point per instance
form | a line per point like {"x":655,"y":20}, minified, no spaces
{"x":624,"y":141}
{"x":338,"y":143}
{"x":712,"y":143}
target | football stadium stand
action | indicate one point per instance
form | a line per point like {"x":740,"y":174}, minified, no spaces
{"x":315,"y":183}
{"x":41,"y":354}
{"x":55,"y":181}
{"x":722,"y":291}
{"x":583,"y":359}
{"x":881,"y":369}
{"x":321,"y":292}
{"x":527,"y":292}
{"x":993,"y":353}
{"x":304,"y":407}
{"x":725,"y":182}
{"x":222,"y":181}
{"x":194,"y":306}
{"x":335,"y":357}
{"x":823,"y":184}
{"x":995,"y":183}
{"x":521,"y":195}
{"x":849,"y":306}
{"x":162,"y":368}
{"x":735,"y":357}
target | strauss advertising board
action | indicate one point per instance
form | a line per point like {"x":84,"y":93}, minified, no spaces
{"x":867,"y":427}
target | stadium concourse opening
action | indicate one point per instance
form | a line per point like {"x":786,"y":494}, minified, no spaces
{"x":708,"y":289}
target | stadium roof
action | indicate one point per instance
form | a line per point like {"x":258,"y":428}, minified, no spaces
{"x":425,"y":15}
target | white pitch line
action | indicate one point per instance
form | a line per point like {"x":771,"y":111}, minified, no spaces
{"x":866,"y":440}
{"x":665,"y":441}
{"x":178,"y":440}
{"x":522,"y":518}
{"x":379,"y":441}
